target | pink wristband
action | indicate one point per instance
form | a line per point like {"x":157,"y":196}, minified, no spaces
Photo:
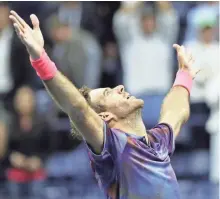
{"x":184,"y":79}
{"x":45,"y":68}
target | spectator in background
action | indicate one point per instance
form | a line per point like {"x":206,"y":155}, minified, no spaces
{"x":3,"y":131}
{"x":145,"y":39}
{"x":203,"y":10}
{"x":76,"y":52}
{"x":3,"y":139}
{"x":14,"y":71}
{"x":111,"y":70}
{"x":28,"y":144}
{"x":183,"y":7}
{"x":6,"y":34}
{"x":81,"y":15}
{"x":212,"y":126}
{"x":3,"y":143}
{"x":217,"y":27}
{"x":206,"y":51}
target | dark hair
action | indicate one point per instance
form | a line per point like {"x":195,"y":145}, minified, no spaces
{"x":98,"y":108}
{"x":85,"y":93}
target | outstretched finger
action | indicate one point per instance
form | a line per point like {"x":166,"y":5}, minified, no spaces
{"x":35,"y":21}
{"x":15,"y":21}
{"x":177,"y":47}
{"x":18,"y":31}
{"x":21,"y":21}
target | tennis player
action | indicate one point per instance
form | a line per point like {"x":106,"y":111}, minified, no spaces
{"x":129,"y":161}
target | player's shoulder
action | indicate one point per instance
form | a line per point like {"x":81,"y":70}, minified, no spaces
{"x":117,"y":134}
{"x":161,"y":137}
{"x":161,"y":127}
{"x":117,"y":137}
{"x":161,"y":131}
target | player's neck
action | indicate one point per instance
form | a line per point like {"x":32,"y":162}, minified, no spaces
{"x":132,"y":124}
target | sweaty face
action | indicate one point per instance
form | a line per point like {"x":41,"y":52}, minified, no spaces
{"x":116,"y":101}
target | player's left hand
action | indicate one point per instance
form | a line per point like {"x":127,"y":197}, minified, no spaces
{"x":185,"y":60}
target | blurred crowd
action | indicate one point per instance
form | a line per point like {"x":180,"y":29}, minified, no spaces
{"x":104,"y":44}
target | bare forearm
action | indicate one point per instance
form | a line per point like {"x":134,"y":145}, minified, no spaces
{"x":64,"y":93}
{"x":175,"y":109}
{"x":74,"y":104}
{"x":61,"y":89}
{"x":168,"y":22}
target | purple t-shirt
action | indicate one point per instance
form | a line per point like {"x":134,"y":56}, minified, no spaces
{"x":131,"y":168}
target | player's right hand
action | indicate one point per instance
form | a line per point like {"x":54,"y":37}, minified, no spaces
{"x":32,"y":38}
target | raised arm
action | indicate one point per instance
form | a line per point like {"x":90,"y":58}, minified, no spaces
{"x":167,"y":21}
{"x":126,"y":22}
{"x":175,"y":109}
{"x":61,"y":89}
{"x":70,"y":100}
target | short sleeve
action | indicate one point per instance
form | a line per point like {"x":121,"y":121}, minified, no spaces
{"x":162,"y":139}
{"x":104,"y":164}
